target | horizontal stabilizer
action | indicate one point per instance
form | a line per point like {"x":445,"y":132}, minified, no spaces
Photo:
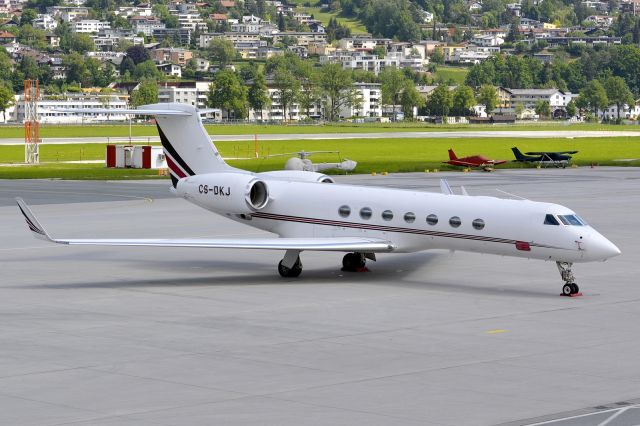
{"x":345,"y":244}
{"x":445,"y":187}
{"x":120,"y":111}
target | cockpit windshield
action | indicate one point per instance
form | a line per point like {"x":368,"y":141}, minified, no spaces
{"x":567,"y":219}
{"x":571,"y":219}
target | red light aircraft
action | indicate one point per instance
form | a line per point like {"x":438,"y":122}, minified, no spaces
{"x":480,"y":161}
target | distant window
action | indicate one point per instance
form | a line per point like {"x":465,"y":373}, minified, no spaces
{"x":455,"y":221}
{"x":478,"y":224}
{"x":551,"y":220}
{"x":344,"y":211}
{"x":432,"y":219}
{"x":365,"y":213}
{"x":387,"y":215}
{"x":409,"y":217}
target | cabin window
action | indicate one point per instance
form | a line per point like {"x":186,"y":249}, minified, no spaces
{"x":570,"y":219}
{"x":344,"y":211}
{"x":550,"y":220}
{"x":365,"y":213}
{"x":478,"y":224}
{"x":455,"y":221}
{"x":432,"y":219}
{"x":409,"y":217}
{"x":387,"y":215}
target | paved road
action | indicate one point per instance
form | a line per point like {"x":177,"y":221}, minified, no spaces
{"x":141,"y":336}
{"x":378,"y":135}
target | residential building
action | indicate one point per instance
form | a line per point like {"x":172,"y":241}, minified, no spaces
{"x":174,"y":70}
{"x":233,"y":37}
{"x":49,"y":108}
{"x":7,"y":37}
{"x":626,"y":112}
{"x":68,"y":13}
{"x":187,"y":92}
{"x":171,"y":55}
{"x":146,"y":24}
{"x":303,"y":38}
{"x":557,"y":99}
{"x":600,"y":21}
{"x":487,"y":40}
{"x":44,"y":21}
{"x":192,"y":22}
{"x":90,"y":26}
{"x":179,"y":36}
{"x":370,"y":105}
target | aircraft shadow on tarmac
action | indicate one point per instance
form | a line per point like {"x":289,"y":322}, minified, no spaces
{"x":407,"y":270}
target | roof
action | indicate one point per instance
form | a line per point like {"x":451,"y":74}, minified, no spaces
{"x":227,"y":3}
{"x":6,"y":34}
{"x":538,"y":92}
{"x":218,"y":16}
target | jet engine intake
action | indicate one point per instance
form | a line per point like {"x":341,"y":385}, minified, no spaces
{"x":235,"y":193}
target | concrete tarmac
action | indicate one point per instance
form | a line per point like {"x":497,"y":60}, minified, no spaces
{"x":152,"y":336}
{"x":342,"y":136}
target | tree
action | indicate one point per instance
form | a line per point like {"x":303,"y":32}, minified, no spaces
{"x":440,"y":101}
{"x":28,"y":16}
{"x":7,"y":99}
{"x":147,"y":70}
{"x":146,"y":93}
{"x":287,"y":87}
{"x":411,"y":99}
{"x":463,"y":100}
{"x":437,"y":57}
{"x":222,"y":51}
{"x":488,"y":97}
{"x":594,"y":96}
{"x":127,"y":66}
{"x":258,"y":95}
{"x":393,"y":82}
{"x":81,"y":43}
{"x":618,"y":92}
{"x":138,"y":54}
{"x":542,"y":108}
{"x":571,"y":109}
{"x":282,"y":25}
{"x":338,"y":87}
{"x":519,"y":109}
{"x":227,"y":92}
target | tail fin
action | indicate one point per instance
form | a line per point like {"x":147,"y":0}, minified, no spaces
{"x":517,"y":153}
{"x":187,"y":146}
{"x":32,"y":222}
{"x":452,"y":155}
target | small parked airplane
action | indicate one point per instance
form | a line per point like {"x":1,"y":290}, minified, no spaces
{"x":544,"y":158}
{"x":308,"y":211}
{"x":480,"y":161}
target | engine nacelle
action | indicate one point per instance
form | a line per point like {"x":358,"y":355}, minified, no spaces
{"x":235,"y":193}
{"x":298,"y":176}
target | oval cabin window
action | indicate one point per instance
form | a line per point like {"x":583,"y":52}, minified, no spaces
{"x":455,"y":221}
{"x":387,"y":215}
{"x":478,"y":224}
{"x":409,"y":217}
{"x":344,"y":211}
{"x":365,"y":213}
{"x":432,"y":219}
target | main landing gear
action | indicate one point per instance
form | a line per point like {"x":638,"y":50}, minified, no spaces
{"x":570,"y":288}
{"x":354,"y":262}
{"x":291,"y":267}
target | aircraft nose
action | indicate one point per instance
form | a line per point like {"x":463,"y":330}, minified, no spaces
{"x":601,"y":249}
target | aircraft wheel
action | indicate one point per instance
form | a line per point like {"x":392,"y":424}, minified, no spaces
{"x":567,"y":289}
{"x":292,"y":272}
{"x":574,"y":288}
{"x":352,"y":262}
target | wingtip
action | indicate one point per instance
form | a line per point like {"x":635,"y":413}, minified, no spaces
{"x":33,"y":224}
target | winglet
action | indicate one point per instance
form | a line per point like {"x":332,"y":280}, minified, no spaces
{"x":445,"y":188}
{"x":32,"y":222}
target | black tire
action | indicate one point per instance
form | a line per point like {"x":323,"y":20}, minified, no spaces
{"x":352,"y":262}
{"x":567,"y":289}
{"x":292,"y":272}
{"x":575,"y":288}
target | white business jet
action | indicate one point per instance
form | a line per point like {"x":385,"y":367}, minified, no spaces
{"x":308,"y":211}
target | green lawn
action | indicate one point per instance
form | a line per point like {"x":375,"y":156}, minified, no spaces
{"x":352,"y":23}
{"x":120,"y":131}
{"x":456,"y":74}
{"x":379,"y":155}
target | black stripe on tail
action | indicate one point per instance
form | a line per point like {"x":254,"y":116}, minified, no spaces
{"x":171,"y":150}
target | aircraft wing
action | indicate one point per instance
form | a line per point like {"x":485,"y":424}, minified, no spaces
{"x":496,"y":162}
{"x":551,"y":152}
{"x":347,"y":244}
{"x":462,"y":163}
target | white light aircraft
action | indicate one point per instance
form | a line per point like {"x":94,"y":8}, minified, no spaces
{"x":308,"y":211}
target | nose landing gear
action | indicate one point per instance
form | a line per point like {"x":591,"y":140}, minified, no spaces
{"x":570,"y":288}
{"x":354,"y":262}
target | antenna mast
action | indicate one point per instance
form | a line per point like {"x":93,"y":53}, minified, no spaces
{"x":31,"y":122}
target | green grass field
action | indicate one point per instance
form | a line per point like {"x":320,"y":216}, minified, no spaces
{"x":352,"y":23}
{"x":120,"y":131}
{"x":456,"y":74}
{"x":379,"y":155}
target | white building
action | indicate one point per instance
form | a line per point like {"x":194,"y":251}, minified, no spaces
{"x":90,"y":26}
{"x":487,"y":40}
{"x":48,"y":109}
{"x":185,"y":92}
{"x":370,"y":96}
{"x":192,"y":21}
{"x":46,"y":22}
{"x":626,"y":112}
{"x":146,"y":25}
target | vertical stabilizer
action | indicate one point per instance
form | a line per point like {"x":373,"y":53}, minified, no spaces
{"x":188,"y":149}
{"x":452,"y":155}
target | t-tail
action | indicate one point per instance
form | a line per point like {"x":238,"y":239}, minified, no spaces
{"x":519,"y":156}
{"x":187,"y":146}
{"x":452,"y":155}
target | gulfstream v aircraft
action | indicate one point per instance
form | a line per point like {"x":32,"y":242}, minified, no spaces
{"x":308,"y":211}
